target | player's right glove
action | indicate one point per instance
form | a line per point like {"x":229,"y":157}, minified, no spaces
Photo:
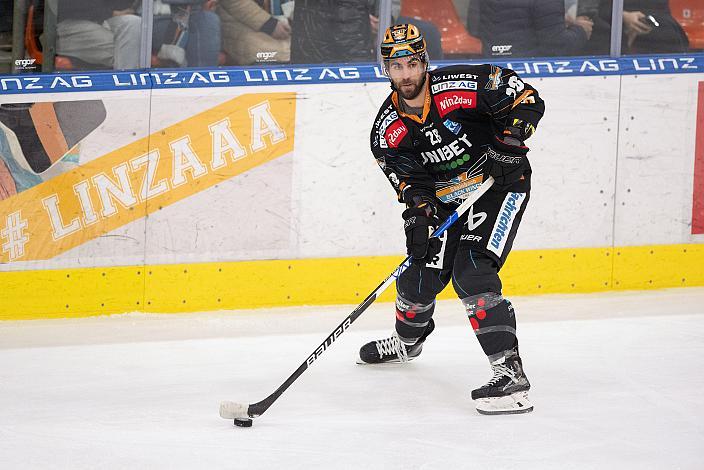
{"x":420,"y":222}
{"x":506,"y":161}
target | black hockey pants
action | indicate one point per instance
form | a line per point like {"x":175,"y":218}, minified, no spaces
{"x":474,"y":249}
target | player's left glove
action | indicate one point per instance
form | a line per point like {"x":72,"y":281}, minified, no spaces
{"x":506,"y":161}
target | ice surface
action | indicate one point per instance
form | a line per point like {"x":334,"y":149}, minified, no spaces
{"x":617,"y":383}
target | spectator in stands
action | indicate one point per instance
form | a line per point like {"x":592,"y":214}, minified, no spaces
{"x":250,"y":33}
{"x":186,"y":33}
{"x":648,"y":28}
{"x":5,"y":22}
{"x":101,"y":32}
{"x":330,"y":31}
{"x":430,"y":32}
{"x":531,"y":29}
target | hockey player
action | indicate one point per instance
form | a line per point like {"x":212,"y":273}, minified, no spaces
{"x":437,"y":136}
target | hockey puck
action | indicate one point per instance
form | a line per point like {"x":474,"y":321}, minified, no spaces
{"x":243,"y":422}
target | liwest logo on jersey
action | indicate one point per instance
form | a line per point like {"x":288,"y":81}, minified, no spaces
{"x":451,"y":100}
{"x":395,"y":133}
{"x":453,"y":85}
{"x":507,"y":215}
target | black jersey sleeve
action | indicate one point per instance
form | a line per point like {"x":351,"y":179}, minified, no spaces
{"x":392,"y":146}
{"x":515,"y":107}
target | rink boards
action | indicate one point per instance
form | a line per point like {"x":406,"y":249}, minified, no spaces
{"x":251,"y":188}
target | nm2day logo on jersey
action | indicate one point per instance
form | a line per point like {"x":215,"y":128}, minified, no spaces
{"x":395,"y":133}
{"x":451,"y":100}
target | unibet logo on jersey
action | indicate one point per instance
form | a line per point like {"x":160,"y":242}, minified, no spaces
{"x":451,"y":100}
{"x":507,"y":215}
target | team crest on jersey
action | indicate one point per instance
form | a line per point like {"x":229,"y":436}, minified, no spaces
{"x":451,"y":100}
{"x":454,"y":127}
{"x":494,"y":78}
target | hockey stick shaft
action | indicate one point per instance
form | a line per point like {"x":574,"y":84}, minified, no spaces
{"x":231,"y":410}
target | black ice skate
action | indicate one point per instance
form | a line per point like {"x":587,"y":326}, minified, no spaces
{"x":393,"y":349}
{"x":507,"y":391}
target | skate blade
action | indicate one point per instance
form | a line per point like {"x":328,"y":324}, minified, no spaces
{"x":394,"y":361}
{"x":516,"y":403}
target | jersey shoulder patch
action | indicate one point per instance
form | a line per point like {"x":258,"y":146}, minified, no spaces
{"x":389,"y":130}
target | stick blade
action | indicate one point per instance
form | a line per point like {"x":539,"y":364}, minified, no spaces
{"x":232,"y":410}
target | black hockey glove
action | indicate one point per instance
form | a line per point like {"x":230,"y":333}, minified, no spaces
{"x":420,"y":223}
{"x":506,"y":161}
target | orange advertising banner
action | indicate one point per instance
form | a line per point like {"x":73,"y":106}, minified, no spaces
{"x":133,"y":181}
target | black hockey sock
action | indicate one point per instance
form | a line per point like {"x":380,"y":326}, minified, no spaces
{"x":493,"y":321}
{"x":412,"y":319}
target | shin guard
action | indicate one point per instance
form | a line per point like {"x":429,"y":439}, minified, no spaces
{"x":412,"y":319}
{"x":494,"y":323}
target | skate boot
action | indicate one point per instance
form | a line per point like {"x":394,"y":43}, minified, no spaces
{"x":507,"y":391}
{"x":393,"y":349}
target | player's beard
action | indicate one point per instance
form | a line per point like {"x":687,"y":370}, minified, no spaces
{"x":407,"y":92}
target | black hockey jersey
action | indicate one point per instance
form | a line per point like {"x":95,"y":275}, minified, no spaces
{"x":442,"y":152}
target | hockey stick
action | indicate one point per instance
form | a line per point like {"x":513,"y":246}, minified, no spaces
{"x":242,"y":413}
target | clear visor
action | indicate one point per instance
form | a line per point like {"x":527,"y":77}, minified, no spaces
{"x":421,"y":56}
